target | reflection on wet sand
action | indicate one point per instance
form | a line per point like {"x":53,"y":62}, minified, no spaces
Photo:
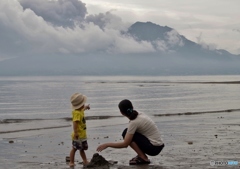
{"x":191,"y":142}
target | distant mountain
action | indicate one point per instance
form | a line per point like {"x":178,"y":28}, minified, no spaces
{"x":178,"y":44}
{"x":148,"y":31}
{"x":175,"y":55}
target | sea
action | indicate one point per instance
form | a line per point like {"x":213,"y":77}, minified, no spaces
{"x":48,"y":97}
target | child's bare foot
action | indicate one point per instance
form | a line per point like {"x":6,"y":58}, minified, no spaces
{"x":71,"y":164}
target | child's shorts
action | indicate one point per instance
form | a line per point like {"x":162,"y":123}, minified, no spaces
{"x":78,"y":145}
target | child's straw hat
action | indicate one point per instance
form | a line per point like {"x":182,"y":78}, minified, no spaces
{"x":78,"y":100}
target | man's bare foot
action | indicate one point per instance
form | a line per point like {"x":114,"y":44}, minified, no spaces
{"x":71,"y":164}
{"x":85,"y":162}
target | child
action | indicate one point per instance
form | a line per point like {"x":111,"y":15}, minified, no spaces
{"x":79,"y":135}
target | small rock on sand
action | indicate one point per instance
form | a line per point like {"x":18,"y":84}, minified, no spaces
{"x":11,"y":141}
{"x":67,"y":159}
{"x":97,"y":161}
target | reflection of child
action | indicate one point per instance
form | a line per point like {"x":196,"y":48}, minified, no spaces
{"x":79,"y":135}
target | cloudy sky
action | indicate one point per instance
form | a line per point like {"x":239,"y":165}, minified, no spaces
{"x":43,"y":27}
{"x":214,"y":22}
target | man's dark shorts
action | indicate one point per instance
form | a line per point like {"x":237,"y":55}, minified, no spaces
{"x":144,"y":144}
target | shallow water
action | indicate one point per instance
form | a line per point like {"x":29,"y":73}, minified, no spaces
{"x":48,"y":97}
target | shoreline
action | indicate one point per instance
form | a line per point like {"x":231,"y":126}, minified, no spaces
{"x":40,"y":124}
{"x":17,"y":120}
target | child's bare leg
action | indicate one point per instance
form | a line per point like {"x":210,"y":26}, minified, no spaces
{"x":72,"y":155}
{"x":84,"y":158}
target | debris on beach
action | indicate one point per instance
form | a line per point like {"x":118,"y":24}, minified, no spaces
{"x":99,"y":161}
{"x":190,"y":142}
{"x":11,"y":141}
{"x":67,"y":159}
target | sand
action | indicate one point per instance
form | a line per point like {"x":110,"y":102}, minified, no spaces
{"x":191,"y":141}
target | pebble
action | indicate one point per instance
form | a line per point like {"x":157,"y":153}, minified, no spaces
{"x":67,"y":159}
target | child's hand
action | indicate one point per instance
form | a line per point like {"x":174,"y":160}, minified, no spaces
{"x":87,"y":107}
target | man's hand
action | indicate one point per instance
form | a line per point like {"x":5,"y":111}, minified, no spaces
{"x":102,"y":147}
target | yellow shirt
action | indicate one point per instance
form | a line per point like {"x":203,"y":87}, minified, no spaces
{"x":78,"y":116}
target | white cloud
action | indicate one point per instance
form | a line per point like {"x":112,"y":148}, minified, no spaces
{"x":161,"y":45}
{"x":174,"y":39}
{"x":107,"y":20}
{"x":43,"y":27}
{"x":26,"y":33}
{"x":129,"y":45}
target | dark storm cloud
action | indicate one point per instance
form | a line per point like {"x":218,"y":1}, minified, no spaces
{"x":59,"y":13}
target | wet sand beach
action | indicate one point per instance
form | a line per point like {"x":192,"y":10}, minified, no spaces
{"x":191,"y":141}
